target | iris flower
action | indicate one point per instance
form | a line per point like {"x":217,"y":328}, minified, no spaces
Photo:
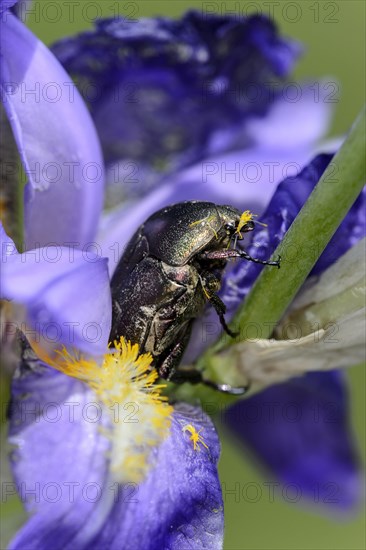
{"x":89,"y":474}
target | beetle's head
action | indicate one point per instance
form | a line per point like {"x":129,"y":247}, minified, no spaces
{"x":239,"y":224}
{"x":248,"y":226}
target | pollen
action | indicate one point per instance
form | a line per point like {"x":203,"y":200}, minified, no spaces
{"x":195,"y":436}
{"x":137,"y":416}
{"x":246,"y":216}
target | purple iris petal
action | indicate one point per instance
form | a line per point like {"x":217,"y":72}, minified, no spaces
{"x":180,"y":503}
{"x":238,"y":35}
{"x":56,"y":140}
{"x":279,"y":129}
{"x":209,"y":66}
{"x":300,"y":431}
{"x":274,"y":148}
{"x":6,"y":4}
{"x":66,"y":294}
{"x":60,"y":458}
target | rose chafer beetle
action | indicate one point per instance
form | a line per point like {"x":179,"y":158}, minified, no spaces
{"x":171,"y":268}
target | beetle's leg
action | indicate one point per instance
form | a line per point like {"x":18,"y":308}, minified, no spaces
{"x":210,"y":284}
{"x":232,"y":253}
{"x":167,"y":363}
{"x":220,"y":309}
{"x":168,"y":366}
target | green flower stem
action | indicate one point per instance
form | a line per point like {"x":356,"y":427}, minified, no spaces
{"x":302,"y":245}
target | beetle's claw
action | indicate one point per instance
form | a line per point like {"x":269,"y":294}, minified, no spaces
{"x":231,"y":333}
{"x":225,"y":388}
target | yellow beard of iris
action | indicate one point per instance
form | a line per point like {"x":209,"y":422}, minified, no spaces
{"x":139,"y":417}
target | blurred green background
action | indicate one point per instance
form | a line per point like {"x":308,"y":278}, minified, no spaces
{"x":334,"y":37}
